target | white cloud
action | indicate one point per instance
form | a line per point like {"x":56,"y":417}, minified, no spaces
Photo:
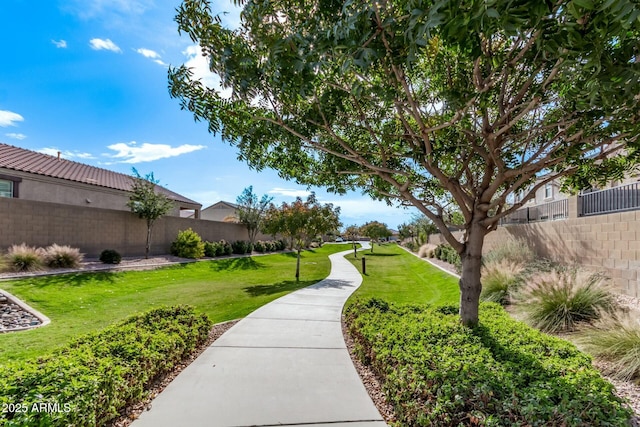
{"x":65,"y":154}
{"x":133,"y":153}
{"x":19,"y":136}
{"x":61,"y":44}
{"x":153,"y":55}
{"x":200,"y":67}
{"x":289,"y":192}
{"x":9,"y":118}
{"x":100,"y":44}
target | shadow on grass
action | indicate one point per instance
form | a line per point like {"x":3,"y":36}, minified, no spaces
{"x":369,"y":254}
{"x":285,"y":286}
{"x":68,"y":279}
{"x":233,"y":264}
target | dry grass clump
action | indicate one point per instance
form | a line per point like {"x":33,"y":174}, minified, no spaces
{"x":514,"y":250}
{"x":24,"y":258}
{"x":426,"y":250}
{"x":616,"y":341}
{"x":559,"y":300}
{"x":56,"y":256}
{"x":500,"y":280}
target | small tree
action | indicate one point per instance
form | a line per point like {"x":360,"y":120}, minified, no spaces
{"x":251,"y":211}
{"x":300,"y":221}
{"x":352,"y":232}
{"x":147,"y":203}
{"x":375,"y":231}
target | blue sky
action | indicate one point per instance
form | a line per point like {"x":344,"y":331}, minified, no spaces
{"x":88,"y":78}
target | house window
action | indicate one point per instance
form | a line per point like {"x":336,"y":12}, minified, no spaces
{"x":6,"y":188}
{"x":548,"y":190}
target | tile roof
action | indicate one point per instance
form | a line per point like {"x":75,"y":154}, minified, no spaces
{"x":22,"y":160}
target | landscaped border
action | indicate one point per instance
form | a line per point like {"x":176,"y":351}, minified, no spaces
{"x":44,"y":320}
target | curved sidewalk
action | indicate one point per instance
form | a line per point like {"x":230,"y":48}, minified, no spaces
{"x":286,"y":364}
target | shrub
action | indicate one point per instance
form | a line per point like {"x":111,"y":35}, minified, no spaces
{"x":259,"y":246}
{"x":617,"y":342}
{"x":210,"y":249}
{"x":437,"y":372}
{"x":281,"y":245}
{"x":226,"y":248}
{"x":99,"y":374}
{"x":110,"y":256}
{"x":446,"y":253}
{"x":270,"y":246}
{"x":499,"y":281}
{"x":239,"y":247}
{"x":25,"y":258}
{"x":56,"y":256}
{"x":188,"y":244}
{"x":559,"y":300}
{"x":426,"y":250}
{"x":512,"y":250}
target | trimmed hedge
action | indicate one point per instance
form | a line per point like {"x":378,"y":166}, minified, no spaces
{"x":435,"y":371}
{"x":91,"y":379}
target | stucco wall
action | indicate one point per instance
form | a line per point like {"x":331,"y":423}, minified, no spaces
{"x":603,"y":242}
{"x":93,"y":230}
{"x":53,"y":190}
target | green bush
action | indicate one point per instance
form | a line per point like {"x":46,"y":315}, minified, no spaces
{"x":211,"y":249}
{"x":270,"y":246}
{"x":562,"y":299}
{"x":446,"y":253}
{"x":225,"y":248}
{"x":281,"y":245}
{"x":25,"y":258}
{"x":56,"y":256}
{"x":437,"y":372}
{"x":94,"y":377}
{"x":188,"y":244}
{"x":110,"y":256}
{"x":240,"y":247}
{"x":500,"y":280}
{"x":617,"y":342}
{"x":259,"y":246}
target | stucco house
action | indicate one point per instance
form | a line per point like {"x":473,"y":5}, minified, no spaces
{"x":221,"y":211}
{"x":30,"y":175}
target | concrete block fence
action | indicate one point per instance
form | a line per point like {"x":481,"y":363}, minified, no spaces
{"x":93,"y":229}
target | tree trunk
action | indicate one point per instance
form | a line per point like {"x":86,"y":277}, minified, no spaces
{"x":147,"y":248}
{"x":298,"y":267}
{"x":470,"y":286}
{"x":371,"y":241}
{"x":355,"y":250}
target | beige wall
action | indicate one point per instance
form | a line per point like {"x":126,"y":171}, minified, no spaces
{"x":93,"y":230}
{"x":603,"y":242}
{"x":53,"y":190}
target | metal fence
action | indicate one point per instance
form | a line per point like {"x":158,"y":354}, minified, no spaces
{"x":617,"y":199}
{"x":546,"y":212}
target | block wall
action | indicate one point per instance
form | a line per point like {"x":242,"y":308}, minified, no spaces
{"x":93,"y":230}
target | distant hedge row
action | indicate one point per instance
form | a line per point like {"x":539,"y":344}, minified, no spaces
{"x":87,"y":382}
{"x":437,"y":372}
{"x":189,"y":244}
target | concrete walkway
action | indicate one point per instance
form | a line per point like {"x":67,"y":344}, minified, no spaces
{"x":286,"y":364}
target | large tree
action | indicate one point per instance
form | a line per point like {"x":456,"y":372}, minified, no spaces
{"x":375,"y":231}
{"x":147,"y":203}
{"x":251,"y":211}
{"x":300,"y":222}
{"x":444,"y":105}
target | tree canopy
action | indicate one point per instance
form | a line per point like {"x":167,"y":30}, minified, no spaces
{"x":446,"y":106}
{"x":375,"y":231}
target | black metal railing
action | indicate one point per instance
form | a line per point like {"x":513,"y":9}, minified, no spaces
{"x":617,"y":199}
{"x":546,"y":212}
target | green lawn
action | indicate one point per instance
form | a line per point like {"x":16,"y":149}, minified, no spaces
{"x":223,"y":289}
{"x":397,"y":276}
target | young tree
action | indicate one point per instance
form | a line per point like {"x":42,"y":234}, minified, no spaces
{"x":251,"y":211}
{"x":300,"y":222}
{"x":441,"y":105}
{"x":353,"y":232}
{"x":148,"y":204}
{"x":375,"y":231}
